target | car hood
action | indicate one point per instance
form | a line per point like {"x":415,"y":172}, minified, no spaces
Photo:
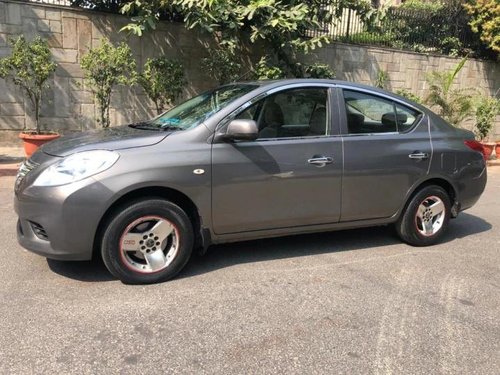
{"x":116,"y":138}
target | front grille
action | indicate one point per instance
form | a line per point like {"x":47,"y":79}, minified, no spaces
{"x":39,"y":231}
{"x":24,"y":169}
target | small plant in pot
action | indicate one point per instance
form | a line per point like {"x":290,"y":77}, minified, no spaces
{"x":29,"y":66}
{"x":487,"y":109}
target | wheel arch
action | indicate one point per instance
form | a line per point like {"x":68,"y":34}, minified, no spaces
{"x":438,"y":181}
{"x":201,"y":239}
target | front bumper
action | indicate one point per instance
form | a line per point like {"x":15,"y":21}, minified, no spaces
{"x":61,"y":222}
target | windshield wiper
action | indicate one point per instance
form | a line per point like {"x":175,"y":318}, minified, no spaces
{"x":150,"y":126}
{"x":142,"y":125}
{"x":170,"y":127}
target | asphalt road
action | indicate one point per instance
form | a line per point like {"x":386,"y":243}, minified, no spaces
{"x":353,"y":302}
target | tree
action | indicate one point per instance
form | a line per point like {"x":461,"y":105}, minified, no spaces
{"x":453,"y":104}
{"x":283,"y":28}
{"x":222,"y":65}
{"x":29,"y":66}
{"x":104,"y":5}
{"x":105,"y":67}
{"x":163,"y":80}
{"x":486,"y":21}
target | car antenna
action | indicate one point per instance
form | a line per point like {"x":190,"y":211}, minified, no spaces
{"x":244,"y":75}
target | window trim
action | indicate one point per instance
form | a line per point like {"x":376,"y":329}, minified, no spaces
{"x":330,"y":102}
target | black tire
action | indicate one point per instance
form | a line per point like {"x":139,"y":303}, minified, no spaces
{"x":409,"y":227}
{"x":117,"y":263}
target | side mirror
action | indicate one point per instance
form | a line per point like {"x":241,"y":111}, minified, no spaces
{"x":242,"y":130}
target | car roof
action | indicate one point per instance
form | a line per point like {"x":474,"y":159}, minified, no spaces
{"x":290,"y":81}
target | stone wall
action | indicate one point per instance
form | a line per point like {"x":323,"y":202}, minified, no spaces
{"x":69,"y":105}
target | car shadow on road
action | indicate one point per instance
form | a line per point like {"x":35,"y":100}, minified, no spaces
{"x":88,"y":271}
{"x":465,"y":225}
{"x":221,"y":256}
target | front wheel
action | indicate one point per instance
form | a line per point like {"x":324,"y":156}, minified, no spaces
{"x":147,"y":241}
{"x":426,"y":217}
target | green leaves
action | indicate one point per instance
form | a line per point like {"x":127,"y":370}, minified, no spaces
{"x":222,"y":63}
{"x":319,"y":71}
{"x":454,"y":105}
{"x":283,"y":27}
{"x":29,"y":66}
{"x":264,"y":70}
{"x":487,"y":109}
{"x":105,"y":67}
{"x":163,"y":81}
{"x":486,"y":21}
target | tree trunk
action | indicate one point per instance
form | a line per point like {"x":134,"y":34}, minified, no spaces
{"x":37,"y":100}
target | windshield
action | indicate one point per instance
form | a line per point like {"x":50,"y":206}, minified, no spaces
{"x":196,"y":110}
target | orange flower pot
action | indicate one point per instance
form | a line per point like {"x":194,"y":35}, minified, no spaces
{"x":32,"y":141}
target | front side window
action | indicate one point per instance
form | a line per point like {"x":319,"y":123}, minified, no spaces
{"x":372,"y":114}
{"x":298,"y":112}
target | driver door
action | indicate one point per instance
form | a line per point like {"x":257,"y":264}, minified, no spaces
{"x":290,"y":176}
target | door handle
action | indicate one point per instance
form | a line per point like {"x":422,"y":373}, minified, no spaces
{"x":320,"y":161}
{"x":419,"y":155}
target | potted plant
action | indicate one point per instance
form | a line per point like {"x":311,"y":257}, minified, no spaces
{"x":105,"y":67}
{"x":487,"y":109}
{"x":29,"y":66}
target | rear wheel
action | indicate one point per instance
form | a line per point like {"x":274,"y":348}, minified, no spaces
{"x":147,"y":241}
{"x":426,"y":217}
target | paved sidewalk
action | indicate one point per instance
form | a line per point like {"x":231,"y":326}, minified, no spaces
{"x":10,"y":159}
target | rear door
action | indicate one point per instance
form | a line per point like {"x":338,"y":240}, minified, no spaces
{"x":387,"y":148}
{"x":291,"y":175}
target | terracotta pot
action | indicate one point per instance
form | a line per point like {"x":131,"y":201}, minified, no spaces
{"x":32,"y":141}
{"x":488,"y":149}
{"x":497,"y":150}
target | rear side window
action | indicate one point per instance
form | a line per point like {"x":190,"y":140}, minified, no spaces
{"x":368,"y":113}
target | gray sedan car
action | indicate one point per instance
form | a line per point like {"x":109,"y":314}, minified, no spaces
{"x":246,"y":161}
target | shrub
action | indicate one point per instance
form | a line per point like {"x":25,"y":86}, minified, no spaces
{"x":433,"y":6}
{"x":486,"y":21}
{"x":29,"y":66}
{"x":319,"y":71}
{"x":382,"y":79}
{"x":486,"y":110}
{"x":409,"y":95}
{"x":105,"y":67}
{"x":222,"y":65}
{"x":264,"y":70}
{"x":454,"y":105}
{"x":163,"y":81}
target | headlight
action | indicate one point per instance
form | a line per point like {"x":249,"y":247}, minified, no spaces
{"x":76,"y":167}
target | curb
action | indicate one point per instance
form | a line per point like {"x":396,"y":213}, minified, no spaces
{"x":9,"y":169}
{"x":493,"y":163}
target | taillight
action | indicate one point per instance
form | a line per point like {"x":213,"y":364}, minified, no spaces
{"x":476,"y":146}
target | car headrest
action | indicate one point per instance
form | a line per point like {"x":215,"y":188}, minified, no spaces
{"x":389,"y":119}
{"x":273,"y":115}
{"x":317,"y":124}
{"x":355,"y":122}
